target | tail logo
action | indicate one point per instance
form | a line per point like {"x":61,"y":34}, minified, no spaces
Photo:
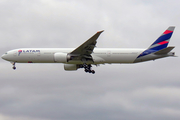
{"x":160,"y":43}
{"x":167,"y":32}
{"x":163,"y":42}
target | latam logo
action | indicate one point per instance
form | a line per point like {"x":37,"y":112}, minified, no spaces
{"x":19,"y":52}
{"x":28,"y":51}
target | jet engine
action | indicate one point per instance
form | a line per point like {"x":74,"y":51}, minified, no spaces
{"x":61,"y":57}
{"x":70,"y":67}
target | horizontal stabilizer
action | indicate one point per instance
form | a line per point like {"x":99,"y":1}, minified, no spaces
{"x":164,"y":51}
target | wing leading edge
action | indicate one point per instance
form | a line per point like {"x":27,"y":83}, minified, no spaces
{"x":84,"y":51}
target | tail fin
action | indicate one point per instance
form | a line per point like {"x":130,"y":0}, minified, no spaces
{"x":160,"y":44}
{"x":163,"y":40}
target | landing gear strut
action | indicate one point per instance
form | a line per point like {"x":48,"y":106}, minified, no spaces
{"x":14,"y":67}
{"x":87,"y":68}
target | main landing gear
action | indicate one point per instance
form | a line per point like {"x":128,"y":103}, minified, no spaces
{"x":14,"y":67}
{"x":87,"y":68}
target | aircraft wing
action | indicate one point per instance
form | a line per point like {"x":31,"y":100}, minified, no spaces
{"x":85,"y":50}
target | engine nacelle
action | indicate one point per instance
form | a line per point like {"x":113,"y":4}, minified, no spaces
{"x":69,"y":67}
{"x":61,"y":57}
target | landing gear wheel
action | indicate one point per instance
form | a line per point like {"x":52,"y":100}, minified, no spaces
{"x":93,"y":72}
{"x":14,"y":67}
{"x":87,"y":68}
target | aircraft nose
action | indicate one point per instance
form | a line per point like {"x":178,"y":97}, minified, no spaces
{"x":3,"y":56}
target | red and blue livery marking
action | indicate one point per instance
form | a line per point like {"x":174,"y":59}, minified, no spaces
{"x":160,"y":43}
{"x":19,"y":52}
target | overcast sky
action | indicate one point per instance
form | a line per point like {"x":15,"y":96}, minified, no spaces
{"x":143,"y":91}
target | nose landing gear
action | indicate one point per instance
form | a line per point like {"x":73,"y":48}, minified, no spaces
{"x":14,"y":67}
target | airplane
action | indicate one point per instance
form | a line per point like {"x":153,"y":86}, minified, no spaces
{"x":87,"y":55}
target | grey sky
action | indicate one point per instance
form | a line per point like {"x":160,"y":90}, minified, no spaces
{"x":149,"y":90}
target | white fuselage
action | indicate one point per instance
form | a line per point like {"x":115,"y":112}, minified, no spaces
{"x":46,"y":55}
{"x":100,"y":55}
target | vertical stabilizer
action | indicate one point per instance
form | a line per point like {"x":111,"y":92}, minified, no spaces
{"x":160,"y":43}
{"x":163,"y":40}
